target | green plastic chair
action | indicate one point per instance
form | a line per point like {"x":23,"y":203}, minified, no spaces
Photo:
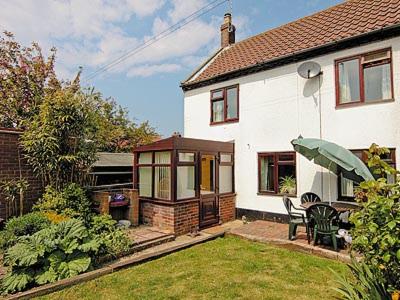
{"x":323,"y":216}
{"x":296,"y":219}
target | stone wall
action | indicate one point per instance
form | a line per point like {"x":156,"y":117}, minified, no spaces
{"x":11,"y":167}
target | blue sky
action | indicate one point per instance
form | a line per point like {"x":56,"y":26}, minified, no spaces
{"x":91,"y":33}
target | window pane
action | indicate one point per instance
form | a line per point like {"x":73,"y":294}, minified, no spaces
{"x":346,"y":187}
{"x":145,"y":158}
{"x":287,"y":179}
{"x":207,"y":174}
{"x":162,"y":183}
{"x":349,"y":81}
{"x":186,"y":157}
{"x":267,"y":174}
{"x":286,"y":157}
{"x":377,"y":83}
{"x":232,"y":109}
{"x":145,"y":174}
{"x":218,"y":111}
{"x":217,"y":94}
{"x":225,"y":179}
{"x":162,"y":157}
{"x":226,"y":158}
{"x":186,"y":182}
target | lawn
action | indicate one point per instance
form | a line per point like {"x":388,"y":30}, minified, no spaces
{"x":225,"y":268}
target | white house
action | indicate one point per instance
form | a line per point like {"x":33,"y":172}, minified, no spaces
{"x":250,"y":92}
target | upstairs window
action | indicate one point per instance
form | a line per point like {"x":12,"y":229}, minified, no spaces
{"x":364,"y":78}
{"x":225,"y":105}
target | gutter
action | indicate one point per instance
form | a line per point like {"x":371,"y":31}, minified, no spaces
{"x":358,"y":40}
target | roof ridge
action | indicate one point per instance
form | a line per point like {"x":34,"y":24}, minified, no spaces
{"x":295,"y":21}
{"x":337,"y":25}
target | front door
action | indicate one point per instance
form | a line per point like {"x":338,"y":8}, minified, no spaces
{"x":208,"y":196}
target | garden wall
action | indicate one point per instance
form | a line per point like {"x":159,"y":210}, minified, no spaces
{"x":11,"y":168}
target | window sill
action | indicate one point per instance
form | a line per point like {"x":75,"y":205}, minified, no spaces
{"x":356,"y":104}
{"x":276,"y":195}
{"x":224,"y":122}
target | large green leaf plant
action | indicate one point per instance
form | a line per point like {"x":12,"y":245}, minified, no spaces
{"x":60,"y":251}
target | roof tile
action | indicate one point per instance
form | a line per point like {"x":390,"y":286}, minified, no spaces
{"x":348,"y":19}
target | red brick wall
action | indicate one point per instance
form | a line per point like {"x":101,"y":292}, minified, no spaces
{"x":227,"y":208}
{"x":9,"y":169}
{"x":178,"y":219}
{"x":161,"y":216}
{"x":186,"y":217}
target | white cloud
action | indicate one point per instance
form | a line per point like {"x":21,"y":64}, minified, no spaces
{"x":93,"y":33}
{"x":149,"y":70}
{"x":147,"y":7}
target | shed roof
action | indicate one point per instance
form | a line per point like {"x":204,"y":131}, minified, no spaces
{"x":106,"y":159}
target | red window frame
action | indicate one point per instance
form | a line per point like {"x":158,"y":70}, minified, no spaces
{"x":224,"y":98}
{"x":361,"y":67}
{"x":362,"y":154}
{"x":277,"y":163}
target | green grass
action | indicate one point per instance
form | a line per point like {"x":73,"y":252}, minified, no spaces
{"x":225,"y":268}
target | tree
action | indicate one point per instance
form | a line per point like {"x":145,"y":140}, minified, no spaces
{"x":119,"y":133}
{"x":25,"y":77}
{"x":61,"y":139}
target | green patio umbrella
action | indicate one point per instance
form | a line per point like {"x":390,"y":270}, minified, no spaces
{"x":334,"y":158}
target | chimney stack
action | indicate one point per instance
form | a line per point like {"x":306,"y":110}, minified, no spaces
{"x":227,"y":31}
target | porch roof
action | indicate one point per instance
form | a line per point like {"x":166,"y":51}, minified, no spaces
{"x":181,"y":143}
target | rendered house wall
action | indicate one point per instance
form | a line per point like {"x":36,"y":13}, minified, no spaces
{"x":277,"y":106}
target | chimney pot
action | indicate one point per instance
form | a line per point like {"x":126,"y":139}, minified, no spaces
{"x":227,"y":31}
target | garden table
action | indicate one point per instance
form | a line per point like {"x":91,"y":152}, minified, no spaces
{"x":341,"y":207}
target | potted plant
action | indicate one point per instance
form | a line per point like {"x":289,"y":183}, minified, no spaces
{"x":287,"y":185}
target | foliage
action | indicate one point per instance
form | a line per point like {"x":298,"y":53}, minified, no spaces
{"x":365,"y":284}
{"x":55,"y":218}
{"x":20,"y":226}
{"x":376,"y":232}
{"x":112,"y":239}
{"x":25,"y":76}
{"x":61,"y":140}
{"x":11,"y":190}
{"x":287,"y":185}
{"x":71,"y":202}
{"x":117,"y":132}
{"x":60,"y":251}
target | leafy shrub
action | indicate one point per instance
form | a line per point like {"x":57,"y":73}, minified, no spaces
{"x":376,"y":233}
{"x":20,"y":226}
{"x":113,"y":240}
{"x":60,"y":251}
{"x":55,"y":218}
{"x":366,"y":283}
{"x":72,"y":201}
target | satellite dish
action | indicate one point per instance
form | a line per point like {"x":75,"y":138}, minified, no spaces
{"x":309,"y":69}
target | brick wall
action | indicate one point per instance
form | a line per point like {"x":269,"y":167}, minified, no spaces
{"x":158,"y":215}
{"x":227,"y":208}
{"x":10,"y":169}
{"x":186,"y":217}
{"x":182,"y":218}
{"x":178,"y":219}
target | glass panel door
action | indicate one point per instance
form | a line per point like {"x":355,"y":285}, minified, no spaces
{"x":209,"y":204}
{"x":207,"y":183}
